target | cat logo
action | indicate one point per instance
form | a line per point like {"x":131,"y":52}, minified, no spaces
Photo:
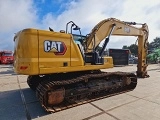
{"x":57,"y":47}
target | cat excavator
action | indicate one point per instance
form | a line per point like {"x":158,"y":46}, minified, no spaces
{"x":64,"y":68}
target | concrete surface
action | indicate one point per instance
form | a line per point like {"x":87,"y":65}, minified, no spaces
{"x":18,"y":101}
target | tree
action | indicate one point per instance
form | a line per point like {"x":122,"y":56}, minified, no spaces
{"x":152,"y":46}
{"x":124,"y":47}
{"x":133,"y":48}
{"x":155,"y":43}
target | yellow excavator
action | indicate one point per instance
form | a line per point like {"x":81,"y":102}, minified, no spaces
{"x":65,"y":68}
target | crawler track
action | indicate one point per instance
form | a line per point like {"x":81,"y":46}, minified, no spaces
{"x":76,"y":89}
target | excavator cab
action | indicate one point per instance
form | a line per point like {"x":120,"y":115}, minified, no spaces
{"x":78,"y":39}
{"x":94,"y":57}
{"x":89,"y":57}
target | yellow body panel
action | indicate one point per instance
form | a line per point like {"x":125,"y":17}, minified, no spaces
{"x":45,"y":52}
{"x":26,"y":52}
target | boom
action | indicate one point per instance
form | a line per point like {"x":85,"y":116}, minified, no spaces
{"x":103,"y":28}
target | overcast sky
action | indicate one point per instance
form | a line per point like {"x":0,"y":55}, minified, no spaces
{"x":16,"y":15}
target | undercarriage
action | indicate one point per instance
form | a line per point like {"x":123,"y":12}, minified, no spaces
{"x":61,"y":91}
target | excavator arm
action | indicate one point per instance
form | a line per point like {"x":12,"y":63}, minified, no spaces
{"x":113,"y":26}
